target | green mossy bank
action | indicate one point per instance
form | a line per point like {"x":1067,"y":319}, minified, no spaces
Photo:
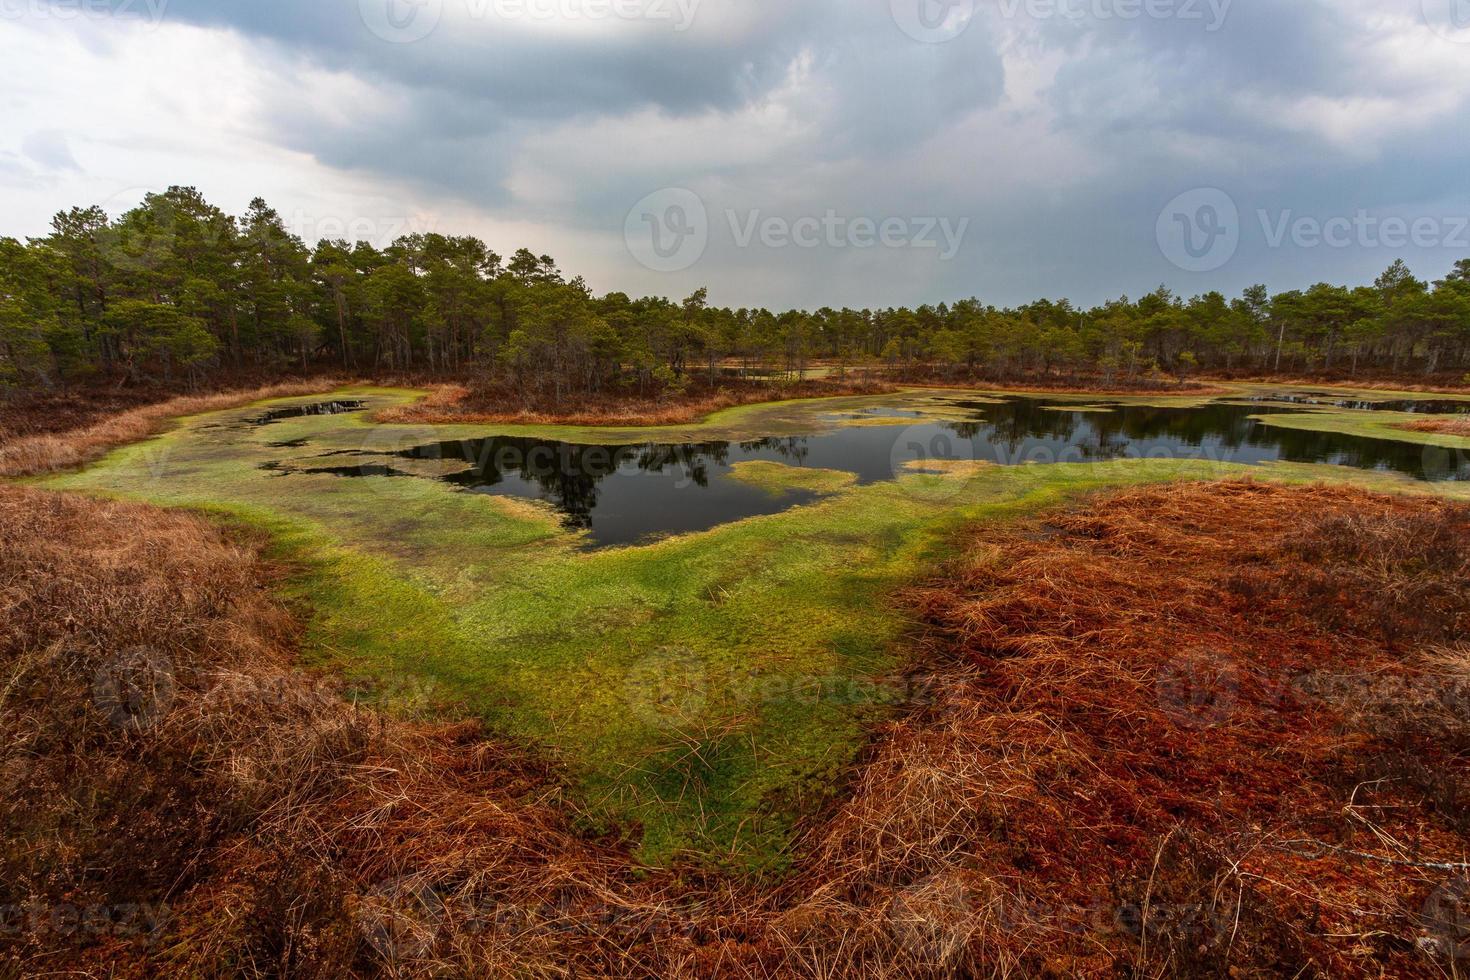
{"x":702,"y":694}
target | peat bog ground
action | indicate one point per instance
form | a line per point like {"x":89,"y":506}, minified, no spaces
{"x":1146,"y":716}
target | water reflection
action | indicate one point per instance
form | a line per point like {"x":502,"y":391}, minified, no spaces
{"x":630,"y":493}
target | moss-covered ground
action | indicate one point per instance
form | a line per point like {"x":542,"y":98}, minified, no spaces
{"x":702,"y":693}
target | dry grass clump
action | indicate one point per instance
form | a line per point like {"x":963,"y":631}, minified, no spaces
{"x":1199,"y":730}
{"x":1450,"y":427}
{"x":31,"y":455}
{"x":1202,"y":729}
{"x":1074,"y":384}
{"x":455,"y":403}
{"x":176,"y":798}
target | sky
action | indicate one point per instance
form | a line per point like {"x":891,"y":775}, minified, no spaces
{"x":782,"y":153}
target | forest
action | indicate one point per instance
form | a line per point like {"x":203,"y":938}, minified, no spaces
{"x":176,"y":289}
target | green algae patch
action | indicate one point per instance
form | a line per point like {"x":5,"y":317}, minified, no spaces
{"x":1368,"y":424}
{"x":781,"y":477}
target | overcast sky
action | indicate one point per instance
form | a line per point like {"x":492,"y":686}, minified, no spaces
{"x":781,"y":152}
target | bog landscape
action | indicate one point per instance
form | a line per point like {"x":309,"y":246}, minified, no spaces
{"x":382,"y":605}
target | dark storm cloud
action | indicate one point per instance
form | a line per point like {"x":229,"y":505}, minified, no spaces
{"x":1059,"y":128}
{"x":462,"y":90}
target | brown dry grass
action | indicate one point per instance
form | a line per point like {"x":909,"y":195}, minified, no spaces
{"x":1240,"y":706}
{"x":31,"y":455}
{"x":1442,"y":385}
{"x":1082,"y":386}
{"x":456,"y":403}
{"x":1200,"y":730}
{"x":164,"y":763}
{"x":1452,"y":427}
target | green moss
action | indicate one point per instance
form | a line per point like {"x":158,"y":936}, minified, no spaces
{"x":1370,"y":424}
{"x":704,"y":692}
{"x":781,"y":477}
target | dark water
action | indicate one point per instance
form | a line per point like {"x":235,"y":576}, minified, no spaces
{"x":1327,"y":399}
{"x":302,"y":411}
{"x":627,"y":494}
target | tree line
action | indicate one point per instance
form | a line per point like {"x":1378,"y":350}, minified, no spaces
{"x":177,"y":289}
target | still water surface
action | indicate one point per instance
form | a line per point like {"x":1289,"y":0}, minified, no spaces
{"x":628,"y":494}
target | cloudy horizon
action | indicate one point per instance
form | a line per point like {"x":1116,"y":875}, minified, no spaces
{"x":826,"y":153}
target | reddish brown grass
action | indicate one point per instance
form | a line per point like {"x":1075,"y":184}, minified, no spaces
{"x":1082,"y":386}
{"x":1238,"y":703}
{"x":456,"y":403}
{"x":1201,"y":730}
{"x":1442,"y":384}
{"x":1452,"y":427}
{"x":50,"y":452}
